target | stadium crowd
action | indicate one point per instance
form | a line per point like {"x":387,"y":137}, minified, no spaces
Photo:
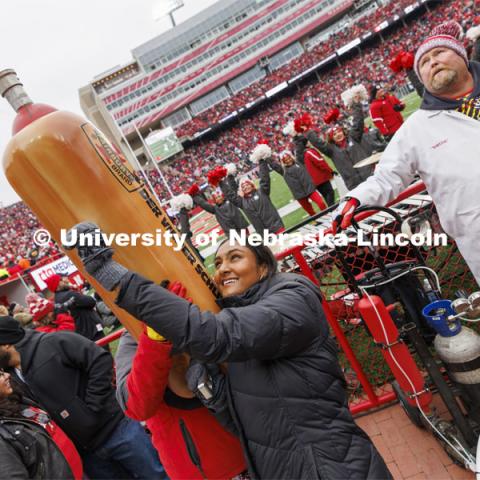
{"x":315,"y":55}
{"x":289,"y":70}
{"x":17,"y":251}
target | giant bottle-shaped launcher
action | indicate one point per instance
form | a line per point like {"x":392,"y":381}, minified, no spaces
{"x":66,"y":171}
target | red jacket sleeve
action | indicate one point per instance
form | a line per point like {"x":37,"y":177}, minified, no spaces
{"x":395,"y":101}
{"x":377,"y":117}
{"x":148,"y":378}
{"x":65,"y":321}
{"x":317,"y":160}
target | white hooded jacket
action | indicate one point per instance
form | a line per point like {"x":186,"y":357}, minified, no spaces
{"x":443,"y":147}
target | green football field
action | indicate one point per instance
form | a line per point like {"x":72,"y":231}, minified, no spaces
{"x":280,"y":194}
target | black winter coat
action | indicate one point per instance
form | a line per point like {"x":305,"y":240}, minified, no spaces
{"x":228,"y":215}
{"x":184,"y":221}
{"x":286,"y":389}
{"x":415,"y":81}
{"x":359,"y":146}
{"x":258,"y":207}
{"x":27,"y":451}
{"x":71,"y":378}
{"x":297,"y":178}
{"x":87,"y":321}
{"x":106,"y":316}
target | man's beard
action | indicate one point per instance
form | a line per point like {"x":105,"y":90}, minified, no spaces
{"x":5,"y":358}
{"x":443,"y":79}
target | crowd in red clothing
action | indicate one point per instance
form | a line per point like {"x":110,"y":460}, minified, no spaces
{"x":18,"y":252}
{"x":296,"y":66}
{"x":371,"y":66}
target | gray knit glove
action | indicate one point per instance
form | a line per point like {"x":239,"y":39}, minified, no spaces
{"x":97,"y":258}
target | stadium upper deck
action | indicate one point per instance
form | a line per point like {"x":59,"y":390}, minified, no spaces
{"x":205,"y":60}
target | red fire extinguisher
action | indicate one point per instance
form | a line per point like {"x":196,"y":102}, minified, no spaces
{"x":394,"y":350}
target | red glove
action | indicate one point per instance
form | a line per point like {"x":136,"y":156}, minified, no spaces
{"x":178,"y":289}
{"x":342,"y":216}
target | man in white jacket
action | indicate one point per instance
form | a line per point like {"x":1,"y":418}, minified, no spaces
{"x":440,"y":142}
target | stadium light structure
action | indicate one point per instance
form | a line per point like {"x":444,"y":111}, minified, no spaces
{"x":150,"y":156}
{"x":163,"y":8}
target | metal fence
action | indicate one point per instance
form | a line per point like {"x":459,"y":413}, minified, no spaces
{"x":336,"y":271}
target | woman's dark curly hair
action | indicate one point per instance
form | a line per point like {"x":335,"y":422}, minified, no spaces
{"x":11,"y":406}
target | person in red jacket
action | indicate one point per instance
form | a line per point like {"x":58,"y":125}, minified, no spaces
{"x":44,"y":317}
{"x":385,"y":111}
{"x":318,"y":169}
{"x":190,"y":441}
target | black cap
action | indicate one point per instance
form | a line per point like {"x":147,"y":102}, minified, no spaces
{"x":11,"y":308}
{"x":10,"y":331}
{"x":373,"y":92}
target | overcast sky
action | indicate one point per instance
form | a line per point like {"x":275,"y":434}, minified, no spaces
{"x":57,"y":46}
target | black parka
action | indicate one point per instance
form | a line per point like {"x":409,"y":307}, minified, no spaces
{"x":228,"y":215}
{"x":285,"y":387}
{"x":296,"y":177}
{"x":27,"y":451}
{"x":258,"y":207}
{"x":71,"y":378}
{"x":87,"y":321}
{"x":359,"y":146}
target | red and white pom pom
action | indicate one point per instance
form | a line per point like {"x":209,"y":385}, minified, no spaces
{"x":349,"y":95}
{"x":407,"y":60}
{"x":332,"y":115}
{"x":231,"y":168}
{"x":303,"y":123}
{"x":473,"y":33}
{"x":184,"y":200}
{"x":403,"y":61}
{"x":396,"y":63}
{"x":193,"y":190}
{"x":216,"y":175}
{"x":260,"y":152}
{"x":289,"y":129}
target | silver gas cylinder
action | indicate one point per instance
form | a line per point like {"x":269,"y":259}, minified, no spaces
{"x":461,"y":355}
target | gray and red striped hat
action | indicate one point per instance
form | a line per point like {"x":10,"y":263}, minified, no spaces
{"x":448,"y":35}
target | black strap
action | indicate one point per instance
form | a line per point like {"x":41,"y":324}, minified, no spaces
{"x":464,"y":366}
{"x":5,"y":433}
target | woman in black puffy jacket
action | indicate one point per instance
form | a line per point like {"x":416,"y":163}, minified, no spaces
{"x":283,"y":384}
